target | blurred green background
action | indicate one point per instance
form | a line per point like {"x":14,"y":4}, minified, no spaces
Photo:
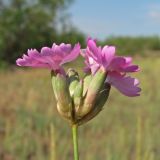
{"x":127,"y":128}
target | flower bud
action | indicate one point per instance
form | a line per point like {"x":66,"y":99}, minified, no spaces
{"x":61,"y":90}
{"x":73,"y":78}
{"x":86,"y":82}
{"x":77,"y":97}
{"x":100,"y":102}
{"x":93,"y":91}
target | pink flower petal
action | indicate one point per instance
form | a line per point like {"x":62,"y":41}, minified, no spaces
{"x":45,"y":57}
{"x":126,"y":85}
{"x":109,"y":53}
{"x":65,"y":47}
{"x":121,"y":64}
{"x":132,"y":68}
{"x":32,"y":52}
{"x":92,"y":46}
{"x":117,"y":63}
{"x":31,"y":63}
{"x":94,"y":51}
{"x":72,"y":55}
{"x":46,"y":51}
{"x":128,"y":59}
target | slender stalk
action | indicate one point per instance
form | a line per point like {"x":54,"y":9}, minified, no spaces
{"x":75,"y":141}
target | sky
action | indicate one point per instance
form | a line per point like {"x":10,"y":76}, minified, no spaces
{"x":102,"y":18}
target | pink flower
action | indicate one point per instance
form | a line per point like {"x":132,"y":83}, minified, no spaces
{"x":51,"y":58}
{"x":116,"y":67}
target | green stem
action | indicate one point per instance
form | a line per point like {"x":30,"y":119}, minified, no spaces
{"x":75,"y":141}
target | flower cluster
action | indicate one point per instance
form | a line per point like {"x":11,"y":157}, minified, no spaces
{"x":81,"y":99}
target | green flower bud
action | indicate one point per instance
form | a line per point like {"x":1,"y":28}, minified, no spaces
{"x":73,"y":78}
{"x":61,"y":90}
{"x":77,"y":97}
{"x":86,"y":82}
{"x":100,"y":102}
{"x":94,"y":88}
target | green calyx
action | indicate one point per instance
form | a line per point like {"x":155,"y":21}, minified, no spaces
{"x":64,"y":102}
{"x":99,"y":104}
{"x":94,"y":88}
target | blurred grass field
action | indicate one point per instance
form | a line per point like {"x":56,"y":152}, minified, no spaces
{"x":127,"y":128}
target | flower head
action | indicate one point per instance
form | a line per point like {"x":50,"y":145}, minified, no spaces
{"x":80,"y":100}
{"x":51,"y":58}
{"x":116,"y":67}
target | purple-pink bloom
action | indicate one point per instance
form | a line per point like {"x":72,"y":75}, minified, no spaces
{"x":52,"y":58}
{"x":116,"y":67}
